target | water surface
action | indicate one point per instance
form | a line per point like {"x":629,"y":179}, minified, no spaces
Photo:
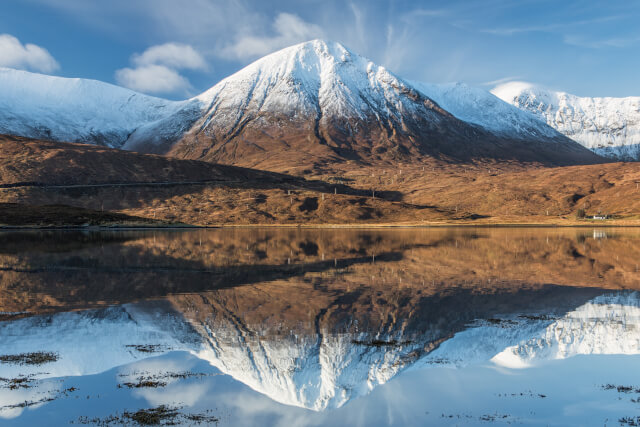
{"x":310,"y":327}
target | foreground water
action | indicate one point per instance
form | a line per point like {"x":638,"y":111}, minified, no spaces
{"x":321,"y":327}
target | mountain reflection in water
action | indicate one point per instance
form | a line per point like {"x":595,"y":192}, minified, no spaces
{"x":315,"y":318}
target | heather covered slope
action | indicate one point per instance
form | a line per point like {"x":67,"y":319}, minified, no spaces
{"x":200,"y":193}
{"x":36,"y":172}
{"x":31,"y":161}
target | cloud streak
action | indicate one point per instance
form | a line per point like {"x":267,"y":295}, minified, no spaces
{"x":547,"y":28}
{"x":615,"y":42}
{"x":287,"y":29}
{"x":501,"y":81}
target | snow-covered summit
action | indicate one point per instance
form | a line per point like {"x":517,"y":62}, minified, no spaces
{"x":75,"y":110}
{"x":306,"y":77}
{"x":608,"y":126}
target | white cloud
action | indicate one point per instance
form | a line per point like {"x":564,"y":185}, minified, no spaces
{"x":14,"y":54}
{"x":175,"y":55}
{"x":153,"y":79}
{"x":156,"y":69}
{"x":288,"y":29}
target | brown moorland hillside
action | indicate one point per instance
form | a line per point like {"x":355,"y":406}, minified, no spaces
{"x":199,"y":193}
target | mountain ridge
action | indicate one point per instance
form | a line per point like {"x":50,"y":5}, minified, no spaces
{"x":315,"y":103}
{"x":75,"y":110}
{"x":608,"y":126}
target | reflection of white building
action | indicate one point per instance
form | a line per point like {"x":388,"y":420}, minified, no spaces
{"x":314,"y":371}
{"x":599,"y":234}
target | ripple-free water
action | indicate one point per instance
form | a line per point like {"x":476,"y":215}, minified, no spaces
{"x":446,"y":326}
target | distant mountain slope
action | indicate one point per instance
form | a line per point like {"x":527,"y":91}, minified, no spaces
{"x":318,"y":103}
{"x":608,"y":126}
{"x":78,"y":110}
{"x":481,"y":107}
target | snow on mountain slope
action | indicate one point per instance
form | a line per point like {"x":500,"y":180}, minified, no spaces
{"x":311,"y":78}
{"x":481,"y":107}
{"x":319,"y":102}
{"x":315,"y":102}
{"x":75,"y":110}
{"x":318,"y":93}
{"x":311,"y":371}
{"x":91,"y":341}
{"x":608,"y":126}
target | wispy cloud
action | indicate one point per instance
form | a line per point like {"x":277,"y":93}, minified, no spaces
{"x":501,"y":81}
{"x":544,"y":28}
{"x":153,"y":79}
{"x":287,"y":29}
{"x":591,"y":43}
{"x":174,"y":55}
{"x":427,"y":12}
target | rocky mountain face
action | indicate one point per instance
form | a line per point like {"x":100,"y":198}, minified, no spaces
{"x":315,"y":104}
{"x":609,"y":127}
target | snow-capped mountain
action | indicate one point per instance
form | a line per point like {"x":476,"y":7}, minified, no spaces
{"x":313,"y":103}
{"x":78,"y":110}
{"x":607,"y":324}
{"x":609,"y":127}
{"x":318,"y":101}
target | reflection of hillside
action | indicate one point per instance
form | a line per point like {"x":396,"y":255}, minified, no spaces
{"x":74,"y":270}
{"x":300,"y":346}
{"x":318,"y":347}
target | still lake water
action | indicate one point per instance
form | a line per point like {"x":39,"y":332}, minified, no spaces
{"x":447,"y":326}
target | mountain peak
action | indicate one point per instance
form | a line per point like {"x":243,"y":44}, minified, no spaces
{"x":313,"y":67}
{"x":318,"y":103}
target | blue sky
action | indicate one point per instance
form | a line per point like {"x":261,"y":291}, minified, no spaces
{"x":179,"y":48}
